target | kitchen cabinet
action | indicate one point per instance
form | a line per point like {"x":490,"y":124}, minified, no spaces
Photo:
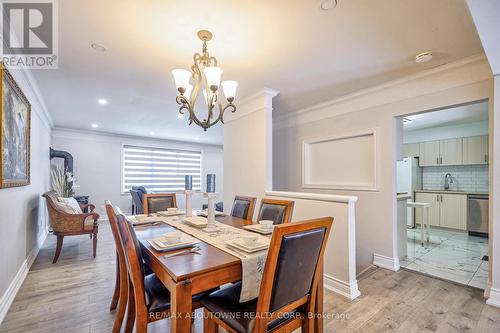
{"x":429,"y":153}
{"x":441,"y":152}
{"x":475,"y":149}
{"x":453,"y":212}
{"x":450,"y":152}
{"x":447,"y":210}
{"x":411,"y":150}
{"x":431,"y":198}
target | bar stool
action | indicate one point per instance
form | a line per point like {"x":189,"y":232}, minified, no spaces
{"x":425,"y":207}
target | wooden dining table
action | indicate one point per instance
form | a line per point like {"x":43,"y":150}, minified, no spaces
{"x":187,"y":275}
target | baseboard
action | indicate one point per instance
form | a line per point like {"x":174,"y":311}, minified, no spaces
{"x":349,"y":290}
{"x":11,"y":292}
{"x":494,"y":299}
{"x":386,"y":262}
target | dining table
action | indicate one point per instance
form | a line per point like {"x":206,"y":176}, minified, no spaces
{"x":188,"y":275}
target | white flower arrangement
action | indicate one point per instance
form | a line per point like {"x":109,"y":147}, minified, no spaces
{"x":63,"y":182}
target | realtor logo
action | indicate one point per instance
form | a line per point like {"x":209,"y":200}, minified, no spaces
{"x":29,"y":34}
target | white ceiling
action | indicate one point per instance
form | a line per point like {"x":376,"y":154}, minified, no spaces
{"x":470,"y":113}
{"x":307,"y":54}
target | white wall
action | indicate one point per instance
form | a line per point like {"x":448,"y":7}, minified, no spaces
{"x":465,"y":81}
{"x":447,"y":132}
{"x":23,"y":218}
{"x":248,"y":148}
{"x":97,"y":164}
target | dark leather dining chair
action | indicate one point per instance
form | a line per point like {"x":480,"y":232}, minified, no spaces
{"x":243,"y":207}
{"x":137,"y":205}
{"x":288,"y":288}
{"x":148,"y":299}
{"x":279,"y":211}
{"x":157,"y":202}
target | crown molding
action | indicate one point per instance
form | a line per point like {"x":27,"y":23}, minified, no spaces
{"x":261,"y":100}
{"x":25,"y":76}
{"x":102,"y":136}
{"x":290,"y":118}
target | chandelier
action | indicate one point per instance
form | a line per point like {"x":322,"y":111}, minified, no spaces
{"x":206,"y":76}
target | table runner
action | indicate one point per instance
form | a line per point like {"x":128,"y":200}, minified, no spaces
{"x":252,"y":265}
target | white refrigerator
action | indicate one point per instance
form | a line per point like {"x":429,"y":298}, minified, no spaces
{"x":409,"y":179}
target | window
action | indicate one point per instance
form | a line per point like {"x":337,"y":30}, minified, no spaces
{"x":159,"y":170}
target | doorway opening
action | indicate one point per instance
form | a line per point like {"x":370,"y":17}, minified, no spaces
{"x":443,"y":185}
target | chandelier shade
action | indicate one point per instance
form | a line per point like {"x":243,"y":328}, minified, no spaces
{"x":206,"y":77}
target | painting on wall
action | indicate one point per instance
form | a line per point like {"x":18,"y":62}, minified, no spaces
{"x":15,"y":113}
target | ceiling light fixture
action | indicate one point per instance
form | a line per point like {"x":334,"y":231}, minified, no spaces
{"x":328,"y":4}
{"x":423,"y":57}
{"x":151,"y":133}
{"x":98,"y":47}
{"x":102,"y":101}
{"x":197,"y":138}
{"x":206,"y":76}
{"x":94,"y":125}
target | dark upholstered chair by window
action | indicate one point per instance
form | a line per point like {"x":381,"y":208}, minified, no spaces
{"x":153,"y":203}
{"x":137,"y":204}
{"x":288,"y":289}
{"x":243,"y":207}
{"x":279,"y":211}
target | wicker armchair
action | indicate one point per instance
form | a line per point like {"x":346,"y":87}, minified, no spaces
{"x":66,"y":224}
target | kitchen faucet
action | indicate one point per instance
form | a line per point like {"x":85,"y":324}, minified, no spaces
{"x":448,"y":179}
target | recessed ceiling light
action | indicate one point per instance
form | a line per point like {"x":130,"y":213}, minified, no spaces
{"x":180,"y":116}
{"x":102,"y":101}
{"x":94,"y":125}
{"x":151,"y":133}
{"x":98,"y":47}
{"x":196,"y":138}
{"x":328,"y":4}
{"x":423,"y":57}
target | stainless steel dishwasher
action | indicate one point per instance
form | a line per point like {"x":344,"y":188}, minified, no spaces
{"x":477,"y":215}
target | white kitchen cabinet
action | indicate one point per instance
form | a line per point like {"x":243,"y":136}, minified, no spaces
{"x":411,"y":150}
{"x":434,"y":212}
{"x":450,"y":152}
{"x":447,"y":210}
{"x":475,"y":150}
{"x":453,"y":211}
{"x":429,"y":153}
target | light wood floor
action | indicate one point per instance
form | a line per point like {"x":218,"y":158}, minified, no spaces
{"x":73,"y":296}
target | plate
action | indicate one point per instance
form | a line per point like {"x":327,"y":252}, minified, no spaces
{"x":238,"y":244}
{"x":143,"y":219}
{"x":167,"y":213}
{"x":205,"y":213}
{"x":259,"y":229}
{"x":196,"y":221}
{"x":159,"y":245}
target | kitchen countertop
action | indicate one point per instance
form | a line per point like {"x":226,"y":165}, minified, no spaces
{"x":451,"y":192}
{"x":403,"y":196}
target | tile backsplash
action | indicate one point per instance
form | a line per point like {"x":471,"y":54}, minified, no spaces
{"x":473,"y":178}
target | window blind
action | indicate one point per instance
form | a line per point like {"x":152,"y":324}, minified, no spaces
{"x":158,"y":169}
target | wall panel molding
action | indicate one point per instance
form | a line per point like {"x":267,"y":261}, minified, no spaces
{"x":325,"y":164}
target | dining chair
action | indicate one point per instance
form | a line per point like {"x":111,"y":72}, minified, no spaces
{"x":288,"y":288}
{"x":148,"y":299}
{"x":279,"y":211}
{"x":157,"y":202}
{"x":120,"y":294}
{"x":243,"y":207}
{"x":137,"y":204}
